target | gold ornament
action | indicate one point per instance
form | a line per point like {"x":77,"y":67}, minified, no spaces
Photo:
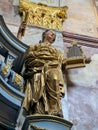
{"x":43,"y":15}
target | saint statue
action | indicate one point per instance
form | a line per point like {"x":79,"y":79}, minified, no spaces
{"x":44,"y":85}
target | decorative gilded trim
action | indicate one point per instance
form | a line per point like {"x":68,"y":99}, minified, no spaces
{"x":42,"y":15}
{"x":5,"y":70}
{"x":16,"y":96}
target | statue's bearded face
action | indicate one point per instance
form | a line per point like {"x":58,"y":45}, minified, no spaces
{"x":50,"y":36}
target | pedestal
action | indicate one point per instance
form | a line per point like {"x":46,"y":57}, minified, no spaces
{"x":46,"y":122}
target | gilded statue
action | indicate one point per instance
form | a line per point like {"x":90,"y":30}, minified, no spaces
{"x":43,"y":75}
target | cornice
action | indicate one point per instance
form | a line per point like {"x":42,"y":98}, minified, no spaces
{"x":81,"y":39}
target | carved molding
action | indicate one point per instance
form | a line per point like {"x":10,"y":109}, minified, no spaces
{"x":81,"y":39}
{"x":43,"y":15}
{"x":48,"y":122}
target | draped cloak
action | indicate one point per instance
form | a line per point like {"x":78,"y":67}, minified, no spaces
{"x":44,"y":78}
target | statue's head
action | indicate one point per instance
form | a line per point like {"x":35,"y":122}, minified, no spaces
{"x":48,"y":36}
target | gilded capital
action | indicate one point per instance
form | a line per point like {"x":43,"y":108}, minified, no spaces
{"x":42,"y":15}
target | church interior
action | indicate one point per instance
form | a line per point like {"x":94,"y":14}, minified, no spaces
{"x":76,"y":25}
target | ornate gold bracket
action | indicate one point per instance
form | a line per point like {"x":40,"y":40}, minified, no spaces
{"x":42,"y":15}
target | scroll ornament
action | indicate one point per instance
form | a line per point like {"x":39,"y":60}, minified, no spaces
{"x":42,"y":15}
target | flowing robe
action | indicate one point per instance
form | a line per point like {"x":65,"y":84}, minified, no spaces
{"x":44,"y":80}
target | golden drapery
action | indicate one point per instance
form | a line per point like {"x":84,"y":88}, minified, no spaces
{"x":44,"y":80}
{"x":43,"y":15}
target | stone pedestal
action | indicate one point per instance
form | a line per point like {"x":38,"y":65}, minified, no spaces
{"x":46,"y":122}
